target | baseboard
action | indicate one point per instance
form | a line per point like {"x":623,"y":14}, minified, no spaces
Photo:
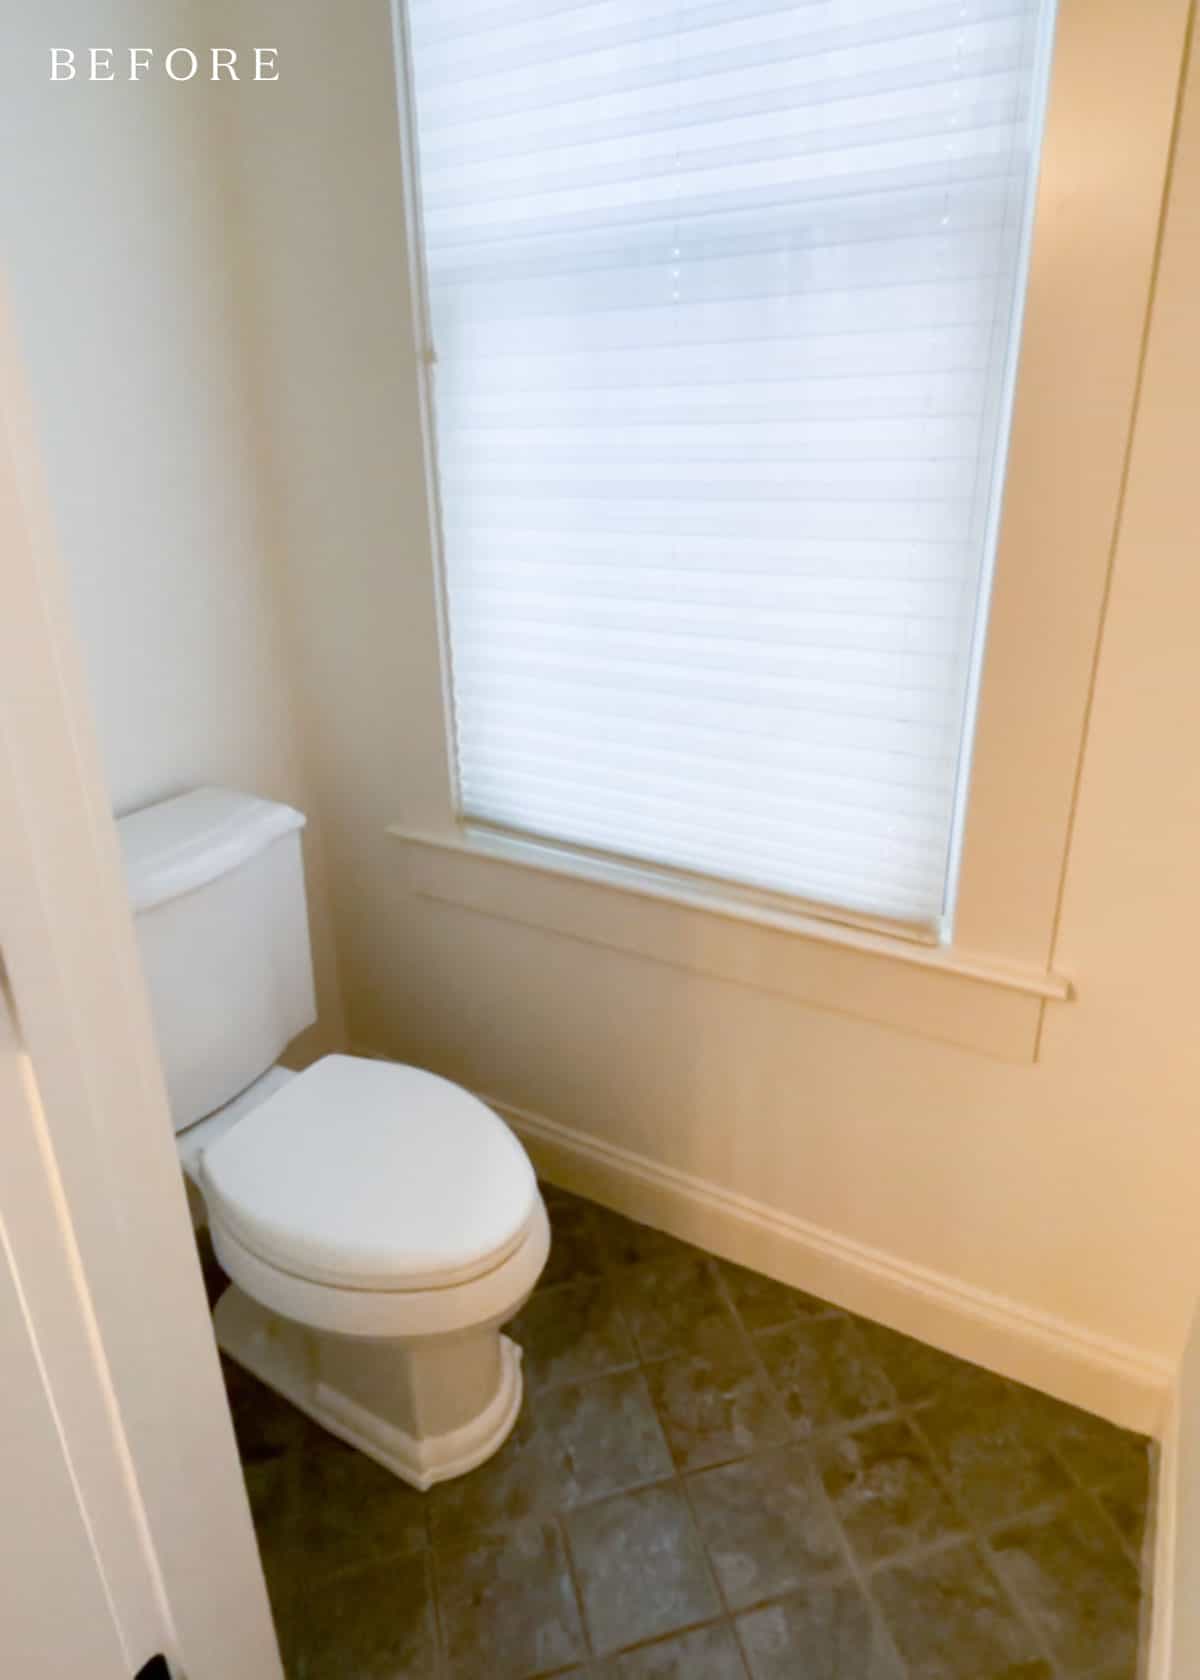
{"x":1117,"y":1382}
{"x":1160,"y":1638}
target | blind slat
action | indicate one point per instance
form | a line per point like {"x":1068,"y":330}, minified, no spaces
{"x":895,"y":775}
{"x":796,"y":830}
{"x":797,"y":815}
{"x":536,"y":757}
{"x":828,"y":880}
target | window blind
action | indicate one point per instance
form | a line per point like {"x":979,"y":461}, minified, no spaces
{"x":725,"y":302}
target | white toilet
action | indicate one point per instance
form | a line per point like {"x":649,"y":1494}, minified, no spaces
{"x":379,"y":1224}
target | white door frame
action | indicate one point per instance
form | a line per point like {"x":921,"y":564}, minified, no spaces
{"x":192,"y":1585}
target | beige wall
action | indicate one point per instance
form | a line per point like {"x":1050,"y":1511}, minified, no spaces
{"x":115,"y":252}
{"x":1067,"y":1186}
{"x":1168,"y":496}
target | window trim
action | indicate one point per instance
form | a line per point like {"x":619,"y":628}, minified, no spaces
{"x":1095,"y":242}
{"x":936,"y":991}
{"x":669,"y":886}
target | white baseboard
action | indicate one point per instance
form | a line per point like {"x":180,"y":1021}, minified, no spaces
{"x":1117,"y":1382}
{"x":1164,"y":1497}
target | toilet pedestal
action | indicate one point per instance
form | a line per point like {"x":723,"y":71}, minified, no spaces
{"x":425,"y":1409}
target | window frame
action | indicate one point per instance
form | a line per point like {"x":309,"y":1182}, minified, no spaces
{"x":1094,"y":248}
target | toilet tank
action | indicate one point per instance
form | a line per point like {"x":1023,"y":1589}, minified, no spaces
{"x":216,"y":881}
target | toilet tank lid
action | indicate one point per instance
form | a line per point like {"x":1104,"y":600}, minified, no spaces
{"x":183,"y":843}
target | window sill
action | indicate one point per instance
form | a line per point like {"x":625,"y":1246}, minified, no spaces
{"x":935,"y":990}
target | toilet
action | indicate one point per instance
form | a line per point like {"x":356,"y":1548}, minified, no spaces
{"x":379,"y":1223}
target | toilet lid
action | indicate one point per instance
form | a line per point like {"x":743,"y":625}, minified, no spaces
{"x":371,"y":1175}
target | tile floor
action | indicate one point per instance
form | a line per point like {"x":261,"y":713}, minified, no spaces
{"x":713,"y":1478}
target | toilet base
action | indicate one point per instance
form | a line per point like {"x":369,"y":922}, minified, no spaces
{"x":426,"y":1409}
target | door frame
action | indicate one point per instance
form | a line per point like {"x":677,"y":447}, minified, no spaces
{"x":68,"y":948}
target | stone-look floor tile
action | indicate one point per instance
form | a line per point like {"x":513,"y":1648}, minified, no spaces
{"x":766,"y":1525}
{"x":824,"y":1375}
{"x":824,"y":1633}
{"x":270,"y":1487}
{"x":574,"y":1248}
{"x":265,"y":1424}
{"x":625,"y":1242}
{"x":570,"y":1333}
{"x":641,"y":1567}
{"x":985,"y":1439}
{"x":571,"y":1444}
{"x":951,"y":1619}
{"x":1127,"y":1668}
{"x":516,"y":1483}
{"x":1094,"y":1451}
{"x":917,"y":1372}
{"x":1125,"y":1502}
{"x":605,"y":1436}
{"x":884,"y":1490}
{"x":970,"y":1386}
{"x":709,"y":1653}
{"x":1073,"y":1576}
{"x":350,"y":1510}
{"x":345,"y":1547}
{"x":764,"y":1304}
{"x":508,"y":1606}
{"x":371,"y":1624}
{"x":715,"y":1405}
{"x":670,"y":1304}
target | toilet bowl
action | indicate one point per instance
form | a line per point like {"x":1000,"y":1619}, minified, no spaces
{"x":379,"y":1223}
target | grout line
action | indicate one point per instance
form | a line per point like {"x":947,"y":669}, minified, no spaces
{"x":914,"y":1556}
{"x":654,"y":1639}
{"x":615,"y":1269}
{"x":758,"y":1362}
{"x":713,"y":1572}
{"x":364,"y":1565}
{"x":882,"y":1630}
{"x":1092,"y":1496}
{"x":673,"y":1479}
{"x":576,"y":1587}
{"x":441,"y":1652}
{"x":859,"y":1571}
{"x":978,"y":1534}
{"x":1145,"y":1571}
{"x":466,"y":1539}
{"x":625,"y":1369}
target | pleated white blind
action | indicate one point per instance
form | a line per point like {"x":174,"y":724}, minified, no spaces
{"x":724,"y":299}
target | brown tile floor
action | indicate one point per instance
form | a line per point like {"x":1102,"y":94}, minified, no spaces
{"x":713,"y":1478}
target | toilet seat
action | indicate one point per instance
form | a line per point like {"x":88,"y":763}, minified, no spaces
{"x":389,"y":1314}
{"x":367,"y":1177}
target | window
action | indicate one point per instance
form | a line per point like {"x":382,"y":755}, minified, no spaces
{"x":725,"y":300}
